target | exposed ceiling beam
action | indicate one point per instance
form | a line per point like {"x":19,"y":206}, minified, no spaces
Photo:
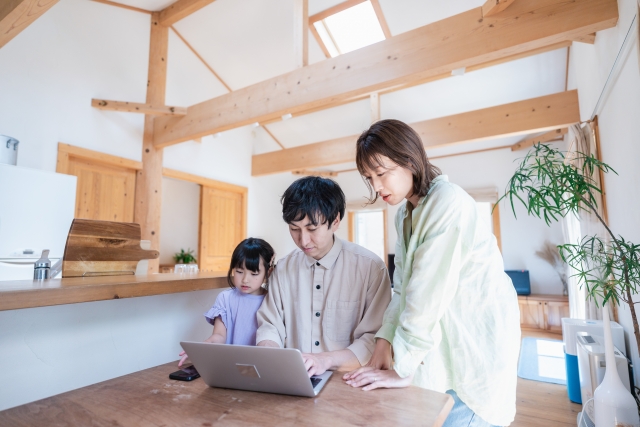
{"x":181,"y":9}
{"x":381,"y":19}
{"x":16,"y":15}
{"x":517,"y":118}
{"x":545,"y":137}
{"x":133,"y":107}
{"x":464,"y":40}
{"x":123,"y":6}
{"x":491,"y":7}
{"x":301,"y":32}
{"x":324,"y":174}
{"x":587,"y":38}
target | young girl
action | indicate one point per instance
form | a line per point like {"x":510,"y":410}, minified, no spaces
{"x":233,"y":314}
{"x":453,"y":321}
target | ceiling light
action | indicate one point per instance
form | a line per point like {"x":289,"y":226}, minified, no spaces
{"x":458,"y":71}
{"x":255,"y":125}
{"x":287,"y":116}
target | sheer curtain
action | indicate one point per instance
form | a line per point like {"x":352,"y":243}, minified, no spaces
{"x":583,"y":139}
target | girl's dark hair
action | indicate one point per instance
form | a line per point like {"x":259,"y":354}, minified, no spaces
{"x":403,"y":146}
{"x":319,"y":199}
{"x":248,"y":254}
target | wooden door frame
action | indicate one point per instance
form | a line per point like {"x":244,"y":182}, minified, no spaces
{"x":351,"y":221}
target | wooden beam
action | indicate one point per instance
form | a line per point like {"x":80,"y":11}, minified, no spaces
{"x":133,"y":107}
{"x":95,"y":156}
{"x":123,"y":6}
{"x":301,"y":32}
{"x":16,"y":15}
{"x":201,"y":59}
{"x":464,"y":40}
{"x":333,"y":10}
{"x":273,"y":137}
{"x":383,"y":22}
{"x":491,"y":7}
{"x":545,"y":137}
{"x":180,"y":9}
{"x":533,"y":115}
{"x":148,"y":197}
{"x":323,"y":174}
{"x":316,"y":36}
{"x":586,"y":38}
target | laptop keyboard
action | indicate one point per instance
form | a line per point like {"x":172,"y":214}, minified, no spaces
{"x":315,"y":381}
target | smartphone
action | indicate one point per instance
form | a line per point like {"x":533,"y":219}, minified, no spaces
{"x":188,"y":373}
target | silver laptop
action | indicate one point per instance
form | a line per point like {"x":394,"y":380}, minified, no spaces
{"x":265,"y":369}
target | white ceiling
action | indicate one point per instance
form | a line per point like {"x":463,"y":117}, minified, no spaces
{"x":249,"y":41}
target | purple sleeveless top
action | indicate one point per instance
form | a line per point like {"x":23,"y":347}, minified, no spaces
{"x":238,"y":313}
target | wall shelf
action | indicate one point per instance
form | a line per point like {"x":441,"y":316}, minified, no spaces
{"x":19,"y":294}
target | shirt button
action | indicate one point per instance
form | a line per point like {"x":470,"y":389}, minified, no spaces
{"x":317,"y":286}
{"x":318,"y":314}
{"x":318,"y":264}
{"x":317,"y":343}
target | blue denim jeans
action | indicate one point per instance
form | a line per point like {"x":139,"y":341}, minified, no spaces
{"x":462,"y":416}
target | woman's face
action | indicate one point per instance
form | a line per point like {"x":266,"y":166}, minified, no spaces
{"x":393,"y":183}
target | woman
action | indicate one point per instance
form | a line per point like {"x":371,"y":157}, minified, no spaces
{"x":453,"y":321}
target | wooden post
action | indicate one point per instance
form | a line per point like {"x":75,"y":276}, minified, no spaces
{"x":148,"y":198}
{"x":375,"y":107}
{"x":301,"y":32}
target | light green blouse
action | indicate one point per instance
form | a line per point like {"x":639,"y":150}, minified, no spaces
{"x":454,"y":319}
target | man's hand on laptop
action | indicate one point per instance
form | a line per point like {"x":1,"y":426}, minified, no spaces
{"x":316,"y":363}
{"x":319,"y":363}
{"x":268,"y":343}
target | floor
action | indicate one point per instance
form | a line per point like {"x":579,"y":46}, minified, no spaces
{"x":543,"y":404}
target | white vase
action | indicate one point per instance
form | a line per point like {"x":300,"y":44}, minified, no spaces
{"x":614,"y":406}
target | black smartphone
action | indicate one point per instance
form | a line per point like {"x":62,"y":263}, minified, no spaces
{"x":188,"y":373}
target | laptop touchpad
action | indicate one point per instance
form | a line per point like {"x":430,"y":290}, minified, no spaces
{"x":248,"y":370}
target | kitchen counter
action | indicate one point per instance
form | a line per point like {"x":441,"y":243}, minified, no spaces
{"x":19,"y":294}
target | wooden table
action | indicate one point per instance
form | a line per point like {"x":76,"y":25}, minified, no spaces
{"x":149,"y":398}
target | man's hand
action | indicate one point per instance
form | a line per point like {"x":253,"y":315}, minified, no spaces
{"x":316,"y":363}
{"x":268,"y":343}
{"x":372,"y":378}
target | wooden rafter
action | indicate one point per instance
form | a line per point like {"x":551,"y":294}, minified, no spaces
{"x":553,"y":135}
{"x":465,"y":40}
{"x":324,"y":174}
{"x":16,"y":15}
{"x":374,"y":104}
{"x":491,"y":7}
{"x":381,"y":18}
{"x":133,"y":107}
{"x":517,"y":118}
{"x":216,"y":75}
{"x":124,"y":6}
{"x":333,"y":10}
{"x":181,"y":9}
{"x":273,"y":137}
{"x":587,"y":38}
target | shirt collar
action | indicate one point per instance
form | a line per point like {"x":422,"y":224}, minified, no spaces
{"x":423,"y":199}
{"x":330,"y":258}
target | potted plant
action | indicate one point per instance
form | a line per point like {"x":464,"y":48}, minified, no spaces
{"x":551,"y":186}
{"x":183,"y":257}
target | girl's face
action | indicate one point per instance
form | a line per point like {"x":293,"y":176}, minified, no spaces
{"x":393,"y":183}
{"x":249,"y":282}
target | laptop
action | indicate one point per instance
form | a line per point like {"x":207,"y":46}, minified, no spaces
{"x":264,"y":369}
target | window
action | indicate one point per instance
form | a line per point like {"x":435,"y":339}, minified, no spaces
{"x":491,"y":217}
{"x":343,"y":29}
{"x":368,"y":229}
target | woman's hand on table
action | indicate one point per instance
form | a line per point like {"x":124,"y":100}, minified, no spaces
{"x":370,"y":378}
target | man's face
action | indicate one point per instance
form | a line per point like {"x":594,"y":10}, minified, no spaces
{"x":314,"y":240}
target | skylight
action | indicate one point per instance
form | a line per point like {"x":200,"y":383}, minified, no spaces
{"x":350,"y":29}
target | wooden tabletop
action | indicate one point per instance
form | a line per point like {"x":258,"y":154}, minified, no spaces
{"x":150,"y":398}
{"x":17,"y":294}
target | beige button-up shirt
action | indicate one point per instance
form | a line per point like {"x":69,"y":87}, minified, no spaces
{"x":326,"y":305}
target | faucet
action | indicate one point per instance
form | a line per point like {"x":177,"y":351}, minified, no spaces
{"x":42,"y":269}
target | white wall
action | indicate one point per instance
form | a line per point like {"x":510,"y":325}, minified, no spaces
{"x":619,"y":132}
{"x":48,"y":75}
{"x":180,"y":218}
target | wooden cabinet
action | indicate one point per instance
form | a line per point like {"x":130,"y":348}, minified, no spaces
{"x":543,"y":312}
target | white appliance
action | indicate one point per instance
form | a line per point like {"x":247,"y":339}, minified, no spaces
{"x":592,"y":367}
{"x":36,"y":211}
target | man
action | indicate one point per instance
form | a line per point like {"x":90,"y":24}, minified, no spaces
{"x":328,"y":298}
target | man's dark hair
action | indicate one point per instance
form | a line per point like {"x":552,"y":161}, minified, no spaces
{"x":319,"y":199}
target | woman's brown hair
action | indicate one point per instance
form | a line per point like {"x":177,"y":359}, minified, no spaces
{"x":403,"y":146}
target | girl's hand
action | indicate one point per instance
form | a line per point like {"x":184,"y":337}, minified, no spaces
{"x":372,"y":378}
{"x":185,"y":356}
